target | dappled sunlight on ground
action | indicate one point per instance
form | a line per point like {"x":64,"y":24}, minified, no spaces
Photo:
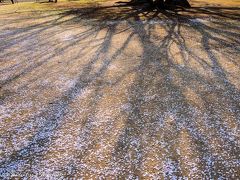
{"x":120,"y":91}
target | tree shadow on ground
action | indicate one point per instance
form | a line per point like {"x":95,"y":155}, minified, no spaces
{"x":182,"y":106}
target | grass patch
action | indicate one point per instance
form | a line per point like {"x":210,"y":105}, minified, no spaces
{"x":46,"y":6}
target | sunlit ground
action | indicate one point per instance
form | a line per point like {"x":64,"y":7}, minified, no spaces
{"x":108,"y":90}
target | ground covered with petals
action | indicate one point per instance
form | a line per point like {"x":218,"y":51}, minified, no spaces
{"x":110,"y":90}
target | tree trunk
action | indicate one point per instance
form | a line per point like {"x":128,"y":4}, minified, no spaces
{"x":182,"y":3}
{"x":159,"y":4}
{"x":150,"y":2}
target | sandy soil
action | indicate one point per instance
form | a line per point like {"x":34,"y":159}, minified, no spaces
{"x":120,"y":92}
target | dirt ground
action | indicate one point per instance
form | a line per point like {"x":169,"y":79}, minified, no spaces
{"x":107,"y":90}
